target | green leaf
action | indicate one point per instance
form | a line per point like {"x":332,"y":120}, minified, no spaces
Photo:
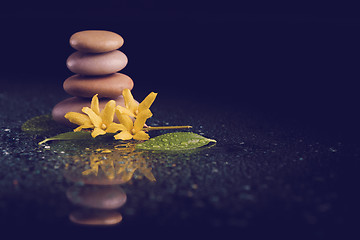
{"x":69,"y":136}
{"x":43,"y":123}
{"x":175,"y":141}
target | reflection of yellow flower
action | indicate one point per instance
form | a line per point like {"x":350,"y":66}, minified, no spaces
{"x":132,"y":108}
{"x":101,"y":122}
{"x":130,"y":129}
{"x":119,"y":163}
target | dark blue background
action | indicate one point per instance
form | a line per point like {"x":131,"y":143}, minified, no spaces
{"x":290,"y":60}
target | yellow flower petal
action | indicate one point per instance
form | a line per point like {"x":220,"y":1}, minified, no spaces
{"x":94,"y":169}
{"x":130,"y":102}
{"x":95,"y":119}
{"x":146,"y":103}
{"x":88,"y":172}
{"x":115,"y":127}
{"x":147,"y":173}
{"x":120,"y":170}
{"x":95,"y":104}
{"x":78,"y":118}
{"x":141,"y":135}
{"x":141,"y":119}
{"x":107,"y":114}
{"x":109,"y":169}
{"x":97,"y":132}
{"x":124,"y":135}
{"x":78,"y":129}
{"x":125,"y":120}
{"x":126,"y":111}
{"x":128,"y":175}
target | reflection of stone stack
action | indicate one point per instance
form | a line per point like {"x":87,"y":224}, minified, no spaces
{"x":97,"y":204}
{"x":96,"y":64}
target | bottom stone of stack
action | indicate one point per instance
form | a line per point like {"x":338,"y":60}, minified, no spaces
{"x":75,"y":104}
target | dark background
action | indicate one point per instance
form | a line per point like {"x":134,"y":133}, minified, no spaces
{"x":296,"y":61}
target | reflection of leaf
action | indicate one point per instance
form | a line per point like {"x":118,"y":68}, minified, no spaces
{"x":69,"y":136}
{"x":43,"y":123}
{"x":175,"y":141}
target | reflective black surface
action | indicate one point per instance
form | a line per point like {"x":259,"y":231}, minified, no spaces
{"x":260,"y":178}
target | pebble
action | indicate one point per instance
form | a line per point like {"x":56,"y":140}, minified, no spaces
{"x":75,"y":104}
{"x":100,"y":197}
{"x":108,"y":86}
{"x":96,"y":63}
{"x":95,"y":217}
{"x":96,"y":41}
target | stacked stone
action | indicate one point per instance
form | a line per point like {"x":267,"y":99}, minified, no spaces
{"x":96,"y":64}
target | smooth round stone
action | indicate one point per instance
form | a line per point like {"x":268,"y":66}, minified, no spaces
{"x":75,"y":104}
{"x":107,"y":86}
{"x":96,"y":63}
{"x":101,"y":197}
{"x":95,"y":217}
{"x":96,"y":41}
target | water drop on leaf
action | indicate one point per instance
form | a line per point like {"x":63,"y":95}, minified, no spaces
{"x":175,"y":141}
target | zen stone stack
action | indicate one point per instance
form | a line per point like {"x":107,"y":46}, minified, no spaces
{"x":96,"y":64}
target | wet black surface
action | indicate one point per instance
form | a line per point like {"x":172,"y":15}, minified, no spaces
{"x":261,"y":178}
{"x":277,"y":92}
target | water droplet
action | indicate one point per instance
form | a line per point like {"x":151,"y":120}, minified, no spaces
{"x":332,"y":150}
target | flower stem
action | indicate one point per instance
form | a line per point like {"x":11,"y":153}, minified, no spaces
{"x":149,"y":128}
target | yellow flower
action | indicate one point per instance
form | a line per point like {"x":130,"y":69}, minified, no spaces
{"x":133,"y":108}
{"x":101,"y":122}
{"x":130,"y":129}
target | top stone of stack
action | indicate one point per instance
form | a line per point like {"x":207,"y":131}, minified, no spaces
{"x":96,"y":41}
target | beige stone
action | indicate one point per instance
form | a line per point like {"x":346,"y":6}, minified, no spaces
{"x":107,"y":86}
{"x":96,"y":63}
{"x":96,"y":41}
